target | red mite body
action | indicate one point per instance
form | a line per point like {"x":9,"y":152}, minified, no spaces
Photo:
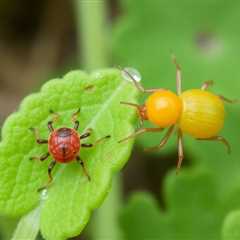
{"x":64,"y":144}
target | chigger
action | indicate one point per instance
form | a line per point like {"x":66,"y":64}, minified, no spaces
{"x":203,"y":114}
{"x":163,"y":108}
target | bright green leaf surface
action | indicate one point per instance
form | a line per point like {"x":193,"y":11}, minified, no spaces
{"x":193,"y":211}
{"x":231,"y":227}
{"x":66,"y":208}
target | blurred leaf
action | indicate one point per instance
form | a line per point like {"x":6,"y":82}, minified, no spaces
{"x":231,"y":227}
{"x":104,"y":224}
{"x":204,"y":36}
{"x":71,"y":198}
{"x":193,"y":210}
{"x":7,"y":226}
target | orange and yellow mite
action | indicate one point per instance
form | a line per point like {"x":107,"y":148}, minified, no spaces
{"x":196,"y":112}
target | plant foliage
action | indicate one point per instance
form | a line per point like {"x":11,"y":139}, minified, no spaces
{"x":66,"y":208}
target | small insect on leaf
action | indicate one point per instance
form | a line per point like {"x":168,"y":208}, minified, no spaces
{"x":70,"y":191}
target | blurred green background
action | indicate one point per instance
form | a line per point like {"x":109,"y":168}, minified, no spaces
{"x":43,"y":39}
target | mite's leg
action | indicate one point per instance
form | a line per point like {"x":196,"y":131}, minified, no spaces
{"x":74,"y":119}
{"x":206,"y":85}
{"x":141,"y":110}
{"x":138,"y":85}
{"x":180,"y":150}
{"x":55,"y":117}
{"x":41,"y":158}
{"x":140,"y":132}
{"x":50,"y":168}
{"x":88,"y":145}
{"x":209,"y":83}
{"x":162,"y":142}
{"x":227,"y":100}
{"x":83,"y":167}
{"x":87,"y":133}
{"x":219,"y":139}
{"x":37,"y":136}
{"x":178,"y":76}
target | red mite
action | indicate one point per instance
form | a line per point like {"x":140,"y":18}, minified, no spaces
{"x":64,"y":145}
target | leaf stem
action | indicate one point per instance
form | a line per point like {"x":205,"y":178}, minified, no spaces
{"x":105,"y":221}
{"x":92,"y":33}
{"x":28,"y":226}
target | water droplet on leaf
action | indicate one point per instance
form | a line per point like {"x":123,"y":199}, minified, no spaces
{"x":129,"y":72}
{"x":44,"y":194}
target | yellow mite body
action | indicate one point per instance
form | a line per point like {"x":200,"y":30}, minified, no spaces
{"x":202,"y":113}
{"x":196,"y":112}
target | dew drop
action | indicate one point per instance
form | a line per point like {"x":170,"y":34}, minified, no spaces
{"x":44,"y":194}
{"x":129,"y":72}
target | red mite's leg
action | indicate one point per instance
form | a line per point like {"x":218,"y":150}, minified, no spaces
{"x":50,"y":168}
{"x":38,"y":139}
{"x":139,"y":132}
{"x":180,"y":150}
{"x":163,"y":141}
{"x":55,"y":117}
{"x":178,"y":76}
{"x":219,"y":139}
{"x":206,"y":85}
{"x":139,"y":85}
{"x":74,"y":119}
{"x":87,"y":134}
{"x":50,"y":126}
{"x":41,"y":158}
{"x":83,"y":167}
{"x":94,"y":144}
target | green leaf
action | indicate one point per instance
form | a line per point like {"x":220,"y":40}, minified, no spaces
{"x":140,"y":218}
{"x":66,"y":208}
{"x":231,"y":226}
{"x":192,"y":210}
